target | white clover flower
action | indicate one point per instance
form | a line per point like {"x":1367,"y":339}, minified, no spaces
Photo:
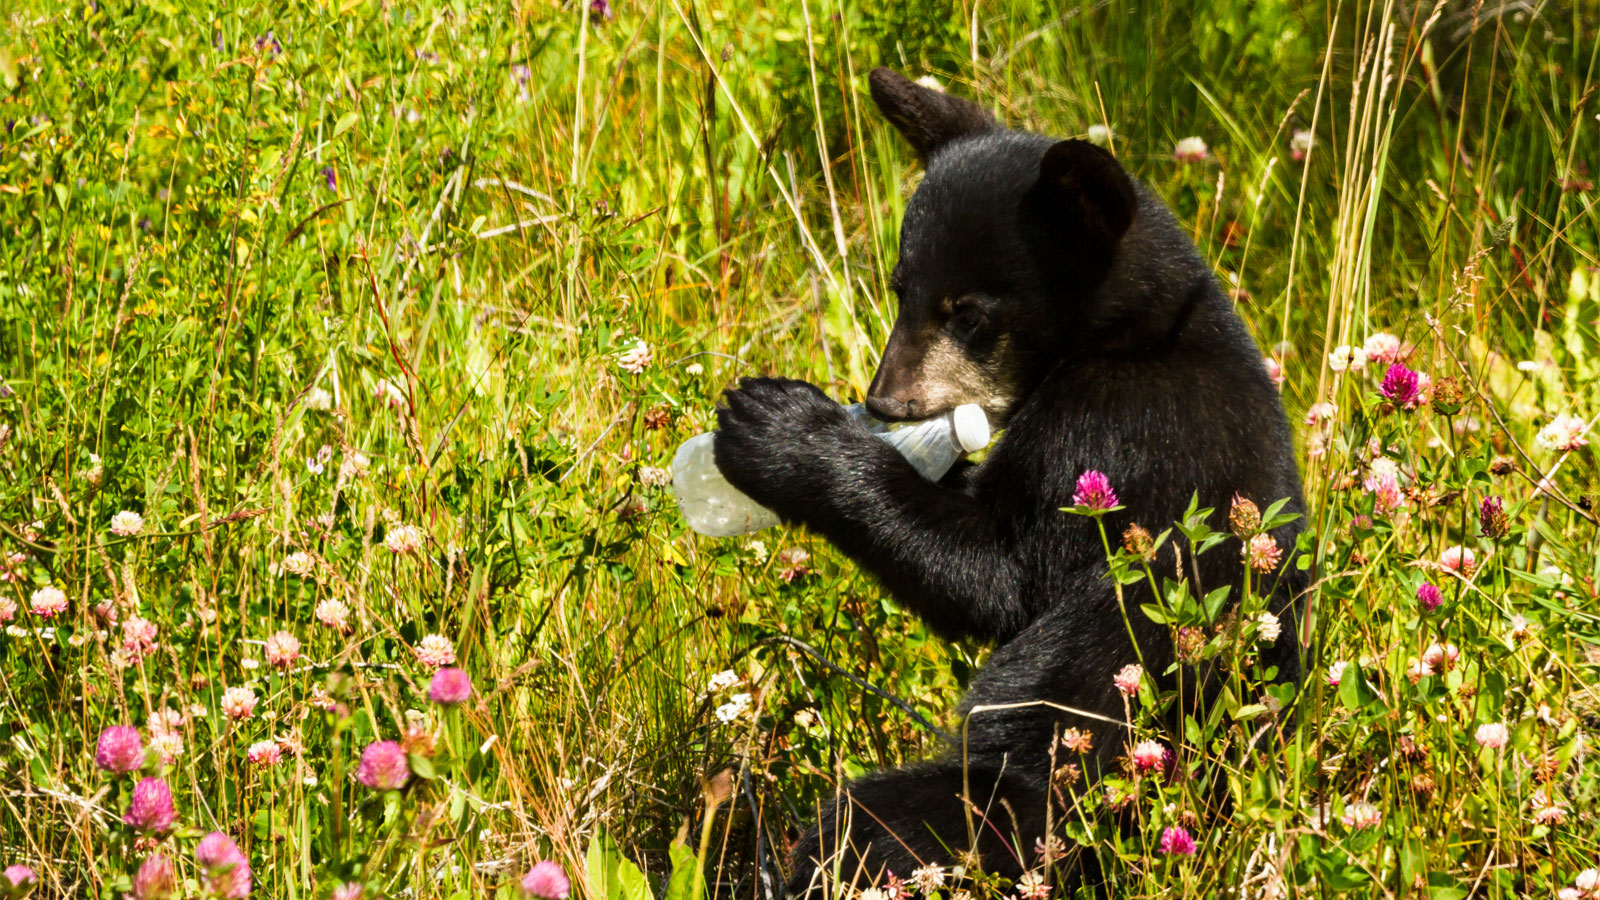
{"x":654,"y":476}
{"x":319,"y":399}
{"x":636,"y":358}
{"x":1345,"y":357}
{"x":1300,"y":144}
{"x":931,"y":83}
{"x":723,"y":680}
{"x":734,"y":708}
{"x":127,"y":523}
{"x":300,"y":563}
{"x":1382,"y":348}
{"x":1099,"y":135}
{"x":404,"y":539}
{"x":1268,"y":628}
{"x":1191,"y":149}
{"x":694,"y":368}
{"x":1565,"y":433}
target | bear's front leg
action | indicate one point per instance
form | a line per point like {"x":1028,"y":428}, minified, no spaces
{"x":788,"y":447}
{"x":937,"y":549}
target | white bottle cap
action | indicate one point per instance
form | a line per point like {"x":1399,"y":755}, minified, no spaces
{"x":971,"y":427}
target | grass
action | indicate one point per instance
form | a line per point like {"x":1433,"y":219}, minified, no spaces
{"x":242,"y":249}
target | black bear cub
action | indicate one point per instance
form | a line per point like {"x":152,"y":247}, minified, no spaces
{"x":1036,"y":278}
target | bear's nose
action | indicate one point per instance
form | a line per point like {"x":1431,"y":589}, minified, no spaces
{"x":891,"y":409}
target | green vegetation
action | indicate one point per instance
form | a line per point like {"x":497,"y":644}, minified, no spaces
{"x":336,"y":297}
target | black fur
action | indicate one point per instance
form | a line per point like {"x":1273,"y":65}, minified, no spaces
{"x":1133,"y":362}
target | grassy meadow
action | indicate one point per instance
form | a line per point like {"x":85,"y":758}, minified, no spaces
{"x":343,"y":342}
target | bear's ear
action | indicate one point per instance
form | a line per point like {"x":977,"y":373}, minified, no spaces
{"x":928,"y":118}
{"x":1085,"y":187}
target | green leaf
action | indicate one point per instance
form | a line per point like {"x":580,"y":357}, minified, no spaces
{"x":346,"y":122}
{"x":687,"y":881}
{"x":421,"y":766}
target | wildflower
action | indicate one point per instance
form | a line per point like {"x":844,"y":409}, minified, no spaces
{"x":264,"y":753}
{"x":731,"y":710}
{"x":1419,"y":670}
{"x":599,"y":10}
{"x":1429,"y":597}
{"x":282,"y":650}
{"x":1361,"y":815}
{"x":127,"y":523}
{"x":1177,"y":842}
{"x":1094,"y":492}
{"x":1099,"y":135}
{"x":354,"y":465}
{"x":1382,"y":348}
{"x":1274,"y":370}
{"x":1077,"y":740}
{"x":389,"y":394}
{"x":334,"y":613}
{"x":636,"y":358}
{"x":1336,"y":672}
{"x":383,"y":766}
{"x":1400,"y":385}
{"x":1149,"y":755}
{"x":8,"y":608}
{"x":1345,"y":357}
{"x":796,"y":563}
{"x":1032,"y":887}
{"x":1520,"y":627}
{"x":404,"y":539}
{"x":330,"y":178}
{"x":450,"y":687}
{"x":1320,"y":413}
{"x":694,"y":368}
{"x":20,"y":876}
{"x":226,"y":870}
{"x":1386,"y":494}
{"x":156,"y":879}
{"x":347,"y":891}
{"x":1268,"y":628}
{"x":48,"y":602}
{"x":1244,"y":518}
{"x":119,"y":750}
{"x":1441,"y":656}
{"x":1262,"y":553}
{"x":1564,"y":433}
{"x":1459,"y":559}
{"x":1492,"y":519}
{"x":1127,"y":679}
{"x":151,"y":806}
{"x":1049,"y":849}
{"x":435,"y":651}
{"x":1493,"y":735}
{"x":1300,"y":145}
{"x":1190,"y":150}
{"x":870,"y":893}
{"x":546,"y":881}
{"x":166,"y":745}
{"x":239,"y":703}
{"x":928,"y":879}
{"x":1588,"y":881}
{"x":1138,"y":542}
{"x":138,"y":636}
{"x":654,"y":477}
{"x":300,"y":563}
{"x":269,"y":44}
{"x":1447,"y":397}
{"x":723,"y":680}
{"x":1546,"y":811}
{"x":319,"y":399}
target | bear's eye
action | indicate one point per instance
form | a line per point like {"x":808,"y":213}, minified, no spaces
{"x":966,"y":320}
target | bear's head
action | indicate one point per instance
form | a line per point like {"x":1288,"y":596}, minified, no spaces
{"x":1003,"y":245}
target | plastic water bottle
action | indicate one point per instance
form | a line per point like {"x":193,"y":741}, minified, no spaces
{"x":718,"y":509}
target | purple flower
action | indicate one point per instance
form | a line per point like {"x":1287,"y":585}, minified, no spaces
{"x":1492,"y":518}
{"x":269,"y":43}
{"x":1177,"y":842}
{"x":546,"y":881}
{"x":156,"y":879}
{"x":330,"y":178}
{"x":119,"y":751}
{"x":1429,"y":597}
{"x":450,"y":687}
{"x":151,"y":809}
{"x":20,"y":876}
{"x":383,"y":766}
{"x":599,"y":10}
{"x":1401,"y":385}
{"x":1094,"y":492}
{"x":226,"y":871}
